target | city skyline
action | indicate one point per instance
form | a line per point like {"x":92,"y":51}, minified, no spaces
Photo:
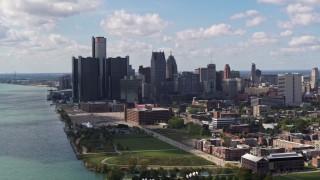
{"x":40,"y":36}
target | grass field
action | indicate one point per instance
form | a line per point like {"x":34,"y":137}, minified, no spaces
{"x":147,"y":150}
{"x":161,"y":158}
{"x":179,"y":135}
{"x":304,"y":176}
{"x":138,"y":143}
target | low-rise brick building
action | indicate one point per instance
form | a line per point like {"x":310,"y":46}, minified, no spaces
{"x":256,"y":164}
{"x":143,"y":116}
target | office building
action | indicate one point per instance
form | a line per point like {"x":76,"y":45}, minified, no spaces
{"x":314,"y":78}
{"x":118,"y":69}
{"x":210,"y":84}
{"x":146,"y":72}
{"x":85,"y":72}
{"x":290,"y":87}
{"x":158,"y":71}
{"x":186,"y":83}
{"x":234,"y":74}
{"x":130,"y":89}
{"x":226,"y":72}
{"x":147,"y":116}
{"x":232,"y":86}
{"x":99,"y":50}
{"x":269,"y":101}
{"x":171,"y":67}
{"x":64,"y":82}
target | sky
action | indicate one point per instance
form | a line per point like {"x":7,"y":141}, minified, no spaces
{"x":41,"y":36}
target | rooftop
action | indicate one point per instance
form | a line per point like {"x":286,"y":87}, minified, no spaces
{"x":284,"y":155}
{"x":251,"y":157}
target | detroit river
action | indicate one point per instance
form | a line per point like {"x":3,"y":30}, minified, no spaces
{"x":33,"y":144}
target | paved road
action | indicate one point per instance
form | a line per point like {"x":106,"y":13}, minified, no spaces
{"x":204,"y":155}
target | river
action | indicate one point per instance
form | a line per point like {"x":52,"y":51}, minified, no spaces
{"x":33,"y":144}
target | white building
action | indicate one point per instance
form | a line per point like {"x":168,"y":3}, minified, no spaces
{"x":290,"y":86}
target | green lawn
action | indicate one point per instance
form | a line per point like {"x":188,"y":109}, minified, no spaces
{"x":161,"y":158}
{"x":140,"y":143}
{"x":147,"y":150}
{"x":304,"y":176}
{"x":178,"y":135}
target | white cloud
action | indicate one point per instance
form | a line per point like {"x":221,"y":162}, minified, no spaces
{"x":255,"y":21}
{"x":43,"y":13}
{"x":248,"y":13}
{"x":275,"y":2}
{"x":125,"y":46}
{"x":259,"y":39}
{"x":298,"y":9}
{"x":305,"y":19}
{"x":300,"y":14}
{"x":285,"y":24}
{"x":123,"y":23}
{"x":294,"y":50}
{"x":304,"y":41}
{"x":286,"y":33}
{"x":213,"y":31}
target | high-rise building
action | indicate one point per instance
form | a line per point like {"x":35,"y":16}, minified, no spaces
{"x":210,"y":85}
{"x":203,"y":74}
{"x":131,"y":89}
{"x":99,"y":50}
{"x":85,"y":72}
{"x":290,"y":87}
{"x":186,"y":83}
{"x":253,"y":74}
{"x":99,"y":47}
{"x":145,"y":71}
{"x":171,"y":67}
{"x":314,"y":78}
{"x":226,"y":74}
{"x":64,"y":82}
{"x":118,"y":69}
{"x":158,"y":71}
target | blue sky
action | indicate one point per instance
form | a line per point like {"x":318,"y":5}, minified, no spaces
{"x":42,"y":36}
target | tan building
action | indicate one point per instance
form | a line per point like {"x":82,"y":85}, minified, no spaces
{"x":143,"y":116}
{"x":291,"y":146}
{"x":261,"y":110}
{"x":316,"y":161}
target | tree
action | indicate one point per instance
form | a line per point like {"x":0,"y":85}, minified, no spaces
{"x":115,"y":174}
{"x":176,"y":123}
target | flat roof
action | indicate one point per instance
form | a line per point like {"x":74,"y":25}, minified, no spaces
{"x":153,"y":109}
{"x":252,"y":157}
{"x":284,"y":155}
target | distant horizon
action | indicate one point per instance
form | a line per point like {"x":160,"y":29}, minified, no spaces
{"x":178,"y":71}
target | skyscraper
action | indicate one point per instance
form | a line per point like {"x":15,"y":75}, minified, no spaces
{"x":118,"y":69}
{"x":290,"y":86}
{"x":211,"y":78}
{"x":158,"y":70}
{"x":99,"y":47}
{"x":85,"y":79}
{"x":314,"y":78}
{"x":171,"y":67}
{"x":253,"y":74}
{"x":99,"y":50}
{"x":146,"y":72}
{"x":226,"y":74}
